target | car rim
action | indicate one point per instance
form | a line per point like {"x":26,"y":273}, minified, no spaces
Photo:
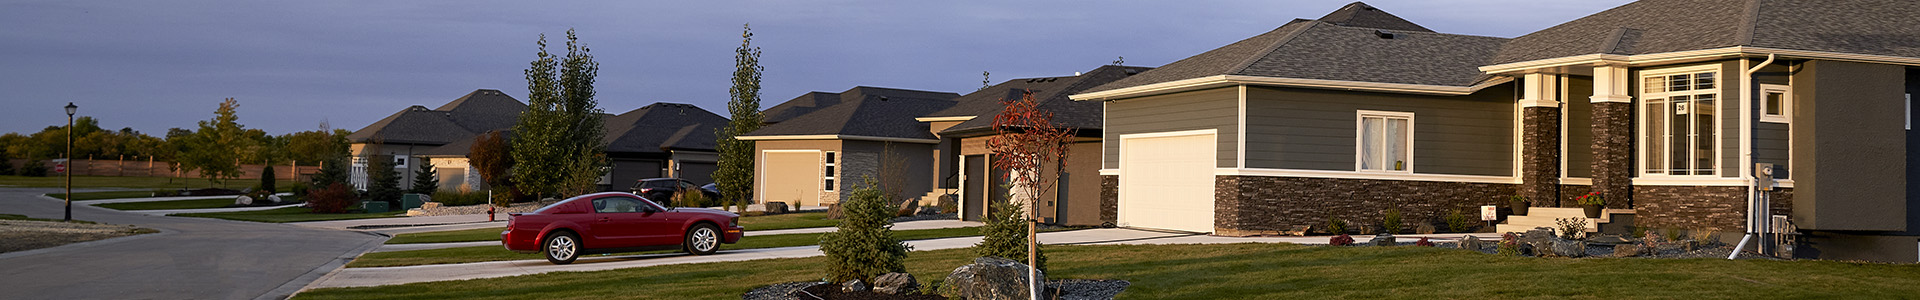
{"x":561,"y":247}
{"x":704,"y":239}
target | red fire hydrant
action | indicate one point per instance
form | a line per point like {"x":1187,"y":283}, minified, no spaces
{"x":489,"y":213}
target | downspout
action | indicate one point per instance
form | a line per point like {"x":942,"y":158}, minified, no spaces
{"x":1756,"y":208}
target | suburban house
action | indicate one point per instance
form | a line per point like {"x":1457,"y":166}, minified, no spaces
{"x":820,"y":144}
{"x":1664,"y":107}
{"x":965,"y":169}
{"x":657,"y":140}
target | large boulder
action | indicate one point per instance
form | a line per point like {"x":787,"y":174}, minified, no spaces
{"x":929,"y":210}
{"x":907,"y":208}
{"x":1383,"y":240}
{"x":1565,"y":248}
{"x":853,"y":286}
{"x":896,"y":284}
{"x":1628,"y":250}
{"x":243,"y":201}
{"x":990,"y":278}
{"x":776,"y":207}
{"x":1470,"y":242}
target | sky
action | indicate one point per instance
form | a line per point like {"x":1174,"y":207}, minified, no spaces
{"x":293,"y":65}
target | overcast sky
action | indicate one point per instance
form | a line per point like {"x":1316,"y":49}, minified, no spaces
{"x":153,"y":65}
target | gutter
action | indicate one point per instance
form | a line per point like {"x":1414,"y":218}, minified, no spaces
{"x":1756,"y":206}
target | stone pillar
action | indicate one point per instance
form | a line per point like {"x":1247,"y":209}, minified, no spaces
{"x":1540,"y":140}
{"x":1613,"y":136}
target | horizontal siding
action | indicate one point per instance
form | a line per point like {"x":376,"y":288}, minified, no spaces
{"x":1577,"y":109}
{"x":1315,"y":129}
{"x":1771,"y":145}
{"x":1194,"y":110}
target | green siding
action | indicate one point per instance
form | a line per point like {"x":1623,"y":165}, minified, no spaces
{"x":1192,"y":110}
{"x":1312,"y":129}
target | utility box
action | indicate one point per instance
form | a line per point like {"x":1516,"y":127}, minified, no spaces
{"x":412,"y":201}
{"x":1763,"y":176}
{"x":374,"y":206}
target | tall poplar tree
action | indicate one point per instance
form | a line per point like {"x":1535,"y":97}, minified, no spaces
{"x":735,"y":174}
{"x":557,"y":145}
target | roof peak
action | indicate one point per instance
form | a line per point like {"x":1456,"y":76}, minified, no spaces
{"x":1359,"y":14}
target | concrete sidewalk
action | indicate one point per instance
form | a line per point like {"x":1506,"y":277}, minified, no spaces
{"x":149,"y":199}
{"x":355,"y":277}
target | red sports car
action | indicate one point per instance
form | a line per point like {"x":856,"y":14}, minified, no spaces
{"x":613,"y":222}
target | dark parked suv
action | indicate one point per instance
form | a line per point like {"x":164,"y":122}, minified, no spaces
{"x":662,"y":190}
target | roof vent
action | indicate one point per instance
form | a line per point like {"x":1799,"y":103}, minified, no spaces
{"x":883,"y":98}
{"x":1385,"y":35}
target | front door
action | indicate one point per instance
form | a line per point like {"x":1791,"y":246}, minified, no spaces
{"x":975,"y":183}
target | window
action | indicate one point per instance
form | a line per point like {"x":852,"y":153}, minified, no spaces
{"x":829,"y":171}
{"x":1384,"y":140}
{"x":1677,"y":122}
{"x":399,"y":161}
{"x":619,"y":205}
{"x":1775,"y":104}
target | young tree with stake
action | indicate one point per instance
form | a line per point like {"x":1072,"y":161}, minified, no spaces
{"x":1026,"y":142}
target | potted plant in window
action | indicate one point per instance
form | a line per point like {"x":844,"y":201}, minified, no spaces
{"x":1592,"y":203}
{"x":1520,"y":204}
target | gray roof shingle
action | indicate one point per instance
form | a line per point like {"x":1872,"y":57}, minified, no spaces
{"x":813,"y":101}
{"x":661,"y":126}
{"x":477,"y":112}
{"x":1877,"y":27}
{"x":1052,"y":93}
{"x":864,"y":111}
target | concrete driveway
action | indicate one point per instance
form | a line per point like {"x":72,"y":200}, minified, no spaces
{"x":192,"y":258}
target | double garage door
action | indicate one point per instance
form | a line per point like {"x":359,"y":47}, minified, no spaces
{"x":1166,"y":181}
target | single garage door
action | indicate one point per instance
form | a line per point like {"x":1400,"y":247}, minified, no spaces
{"x":1166,"y":182}
{"x":791,"y":177}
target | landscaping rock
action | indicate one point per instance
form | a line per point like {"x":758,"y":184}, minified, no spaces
{"x":853,"y":286}
{"x":1423,"y":228}
{"x":896,"y":284}
{"x":1539,"y":236}
{"x":1383,"y":240}
{"x":243,"y":201}
{"x":1567,"y":248}
{"x":907,"y":208}
{"x":1297,"y":230}
{"x":990,"y":278}
{"x":776,"y":207}
{"x":1628,"y":250}
{"x":928,"y":210}
{"x":275,"y":199}
{"x":1470,"y":243}
{"x":430,"y":205}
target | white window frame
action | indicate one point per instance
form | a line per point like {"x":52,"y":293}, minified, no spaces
{"x":830,"y":161}
{"x":1720,"y":101}
{"x":401,"y":161}
{"x":1785,"y":115}
{"x":1359,"y":138}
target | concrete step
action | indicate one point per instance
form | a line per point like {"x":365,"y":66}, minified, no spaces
{"x":1549,"y":217}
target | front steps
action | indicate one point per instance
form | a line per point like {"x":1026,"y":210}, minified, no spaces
{"x":1549,"y":216}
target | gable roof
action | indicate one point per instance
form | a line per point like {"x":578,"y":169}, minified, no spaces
{"x":865,"y":114}
{"x":1876,"y":27}
{"x":477,"y":112}
{"x":1051,"y":92}
{"x":1372,"y":46}
{"x":663,"y":126}
{"x":814,"y":101}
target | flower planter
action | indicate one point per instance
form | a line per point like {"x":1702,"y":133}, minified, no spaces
{"x":1593,"y":211}
{"x":1520,"y":208}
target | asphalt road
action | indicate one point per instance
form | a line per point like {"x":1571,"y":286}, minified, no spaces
{"x":192,"y":258}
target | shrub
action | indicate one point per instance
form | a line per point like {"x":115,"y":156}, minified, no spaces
{"x":331,"y":200}
{"x":1458,"y":221}
{"x":266,"y":179}
{"x":1391,"y":222}
{"x":34,"y":168}
{"x":1336,"y":226}
{"x":1672,"y":234}
{"x":1005,"y":234}
{"x":1423,"y":242}
{"x":694,"y":199}
{"x":426,"y":180}
{"x":1572,"y":228}
{"x":297,"y":189}
{"x":460,"y":198}
{"x":383,"y":183}
{"x":1705,"y":236}
{"x":1509,"y":245}
{"x":1341,"y":240}
{"x":864,"y":246}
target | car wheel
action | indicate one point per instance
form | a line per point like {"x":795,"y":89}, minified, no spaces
{"x":703,"y":239}
{"x":562,"y":247}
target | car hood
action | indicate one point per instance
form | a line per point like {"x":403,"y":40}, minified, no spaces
{"x":704,"y":211}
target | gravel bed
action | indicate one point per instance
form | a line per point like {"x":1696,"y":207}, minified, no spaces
{"x":23,"y":235}
{"x":1073,"y":289}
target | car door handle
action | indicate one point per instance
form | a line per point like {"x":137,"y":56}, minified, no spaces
{"x":605,"y":220}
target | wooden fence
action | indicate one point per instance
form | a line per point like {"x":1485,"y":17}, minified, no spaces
{"x":152,"y":168}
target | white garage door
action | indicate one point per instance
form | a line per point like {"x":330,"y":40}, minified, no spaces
{"x":1166,"y":182}
{"x":790,"y":176}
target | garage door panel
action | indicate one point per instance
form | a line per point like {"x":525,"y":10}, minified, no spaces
{"x":1167,"y":182}
{"x":791,"y":177}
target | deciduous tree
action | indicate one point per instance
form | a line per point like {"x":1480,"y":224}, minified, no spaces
{"x":557,"y":144}
{"x":735,"y":174}
{"x":215,"y":149}
{"x":1025,"y":144}
{"x":492,"y":156}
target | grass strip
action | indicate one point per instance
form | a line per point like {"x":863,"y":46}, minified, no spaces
{"x":500,"y":253}
{"x":288,"y":214}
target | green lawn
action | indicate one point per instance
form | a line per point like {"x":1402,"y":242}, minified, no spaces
{"x":128,"y":182}
{"x":753,"y":223}
{"x":288,"y":214}
{"x":499,"y":253}
{"x":175,"y":204}
{"x":1243,"y":271}
{"x":787,"y":221}
{"x":104,"y":195}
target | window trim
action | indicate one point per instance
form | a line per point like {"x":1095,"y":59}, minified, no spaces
{"x":1785,"y":115}
{"x":829,"y":161}
{"x":1359,"y":138}
{"x":1643,"y":116}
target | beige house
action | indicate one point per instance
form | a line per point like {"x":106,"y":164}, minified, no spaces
{"x":821,"y":144}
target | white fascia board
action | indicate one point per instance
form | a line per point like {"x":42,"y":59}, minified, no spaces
{"x":1232,"y":80}
{"x":944,"y":119}
{"x":835,"y":137}
{"x":1658,"y":58}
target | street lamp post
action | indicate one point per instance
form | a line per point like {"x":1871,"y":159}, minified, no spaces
{"x":69,"y":162}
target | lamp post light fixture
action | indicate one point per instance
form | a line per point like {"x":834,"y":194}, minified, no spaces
{"x":69,"y":163}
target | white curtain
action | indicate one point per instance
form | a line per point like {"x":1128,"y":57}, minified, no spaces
{"x":1396,"y":145}
{"x":1371,"y":132}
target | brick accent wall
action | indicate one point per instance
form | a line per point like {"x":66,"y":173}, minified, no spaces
{"x":1540,"y":156}
{"x":1262,"y":205}
{"x":1613,"y":153}
{"x":1109,"y":199}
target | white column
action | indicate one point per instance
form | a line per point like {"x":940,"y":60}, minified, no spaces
{"x":1540,"y":90}
{"x":1610,"y":84}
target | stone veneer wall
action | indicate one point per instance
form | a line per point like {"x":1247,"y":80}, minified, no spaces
{"x":1540,"y":156}
{"x":1568,"y":192}
{"x":1720,"y":208}
{"x":1109,"y":199}
{"x":1613,"y":153}
{"x":1258,"y":205}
